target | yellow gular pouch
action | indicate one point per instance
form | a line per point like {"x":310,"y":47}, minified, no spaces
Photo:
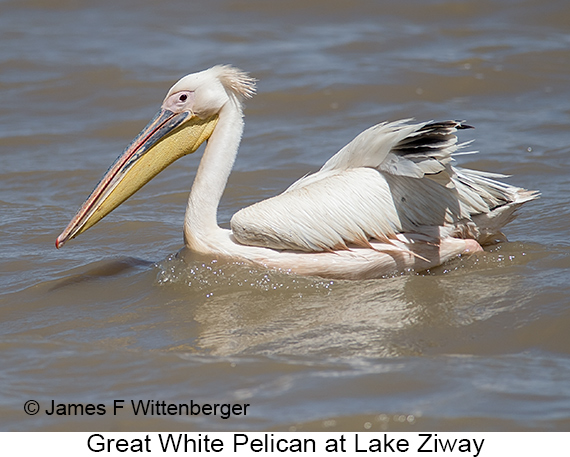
{"x":182,"y":141}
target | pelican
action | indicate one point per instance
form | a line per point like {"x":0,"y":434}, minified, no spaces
{"x":387,"y":202}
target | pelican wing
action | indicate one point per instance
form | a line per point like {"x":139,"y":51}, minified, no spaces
{"x":399,"y":149}
{"x":394,"y":177}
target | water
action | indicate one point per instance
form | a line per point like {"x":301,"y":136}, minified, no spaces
{"x":479,"y":344}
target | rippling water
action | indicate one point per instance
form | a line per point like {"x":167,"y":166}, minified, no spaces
{"x":122,"y":313}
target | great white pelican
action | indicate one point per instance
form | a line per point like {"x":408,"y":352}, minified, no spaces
{"x":388,"y":201}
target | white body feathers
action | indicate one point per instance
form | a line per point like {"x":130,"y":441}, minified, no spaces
{"x":393,"y":178}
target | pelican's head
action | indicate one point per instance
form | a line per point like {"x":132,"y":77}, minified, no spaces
{"x":187,"y":118}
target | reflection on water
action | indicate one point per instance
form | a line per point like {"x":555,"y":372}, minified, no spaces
{"x":397,"y":316}
{"x":99,"y":271}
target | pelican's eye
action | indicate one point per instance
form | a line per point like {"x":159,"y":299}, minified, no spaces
{"x":180,"y":101}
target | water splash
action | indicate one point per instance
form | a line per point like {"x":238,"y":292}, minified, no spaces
{"x":210,"y":274}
